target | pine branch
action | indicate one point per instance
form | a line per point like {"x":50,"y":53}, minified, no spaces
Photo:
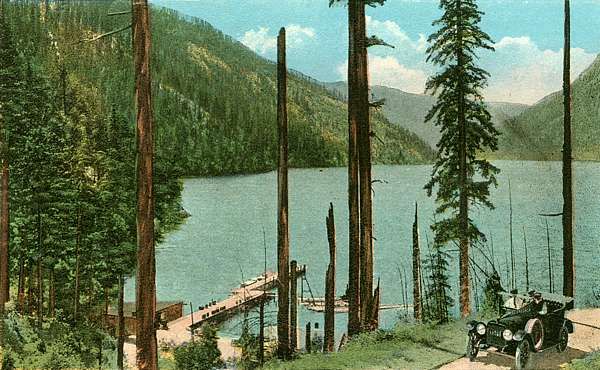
{"x":376,"y":41}
{"x":108,"y":34}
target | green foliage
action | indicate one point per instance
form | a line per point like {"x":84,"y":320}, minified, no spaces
{"x":250,"y":346}
{"x":56,"y":346}
{"x":202,"y":354}
{"x":457,"y":88}
{"x":437,"y":291}
{"x":492,"y":300}
{"x":407,"y":346}
{"x":215,"y":109}
{"x":590,"y":362}
{"x":537,"y":134}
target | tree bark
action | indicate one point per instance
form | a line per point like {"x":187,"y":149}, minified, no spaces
{"x":329,"y":320}
{"x":261,"y":331}
{"x":21,"y":285}
{"x":40,"y":277}
{"x":4,"y":235}
{"x":364,"y":150}
{"x":417,"y":304}
{"x":52,"y":295}
{"x":120,"y":323}
{"x":463,"y":213}
{"x":354,"y":247}
{"x":77,"y":266}
{"x":147,"y":354}
{"x":283,"y":247}
{"x":308,"y":339}
{"x":293,"y":307}
{"x":526,"y":261}
{"x":568,"y":202}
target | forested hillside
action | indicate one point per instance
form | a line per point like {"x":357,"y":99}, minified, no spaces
{"x":214,"y":98}
{"x":537,"y":134}
{"x":409,"y":110}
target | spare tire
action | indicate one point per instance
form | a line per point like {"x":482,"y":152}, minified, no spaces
{"x":535,"y":329}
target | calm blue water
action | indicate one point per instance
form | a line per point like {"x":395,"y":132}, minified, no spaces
{"x":223,"y":238}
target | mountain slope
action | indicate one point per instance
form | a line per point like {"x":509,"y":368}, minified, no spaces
{"x":409,"y":110}
{"x":537,"y":133}
{"x":215,"y":108}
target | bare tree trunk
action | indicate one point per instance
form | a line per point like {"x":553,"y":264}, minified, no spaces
{"x":77,"y":266}
{"x":568,"y":202}
{"x":550,"y":283}
{"x":21,"y":286}
{"x":40,"y":277}
{"x":364,"y":150}
{"x":120,"y":323}
{"x":513,"y":281}
{"x":147,"y":353}
{"x":52,"y":295}
{"x":354,"y":258}
{"x":283,"y":247}
{"x":526,"y":261}
{"x":30,"y":293}
{"x":293,"y":307}
{"x":4,"y":235}
{"x":417,"y":304}
{"x":329,"y":320}
{"x":308,"y":339}
{"x":261,"y":331}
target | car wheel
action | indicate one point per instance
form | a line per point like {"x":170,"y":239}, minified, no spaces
{"x":523,"y":355}
{"x":563,"y":339}
{"x":472,"y":347}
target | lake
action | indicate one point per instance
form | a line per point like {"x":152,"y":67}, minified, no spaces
{"x":222,"y":243}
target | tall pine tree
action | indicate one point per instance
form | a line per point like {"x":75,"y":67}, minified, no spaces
{"x":466,"y":128}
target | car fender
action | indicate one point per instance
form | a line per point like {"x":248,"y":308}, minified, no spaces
{"x":569,"y":324}
{"x":535,"y":331}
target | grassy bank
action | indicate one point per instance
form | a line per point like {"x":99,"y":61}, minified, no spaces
{"x":408,"y":346}
{"x":590,"y":362}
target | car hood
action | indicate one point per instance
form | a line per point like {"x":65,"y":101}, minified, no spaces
{"x":514,"y":321}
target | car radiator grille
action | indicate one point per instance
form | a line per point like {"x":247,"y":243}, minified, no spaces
{"x":494,"y":336}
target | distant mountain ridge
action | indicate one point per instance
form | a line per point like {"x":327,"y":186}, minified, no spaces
{"x":537,"y":133}
{"x":408,"y":110}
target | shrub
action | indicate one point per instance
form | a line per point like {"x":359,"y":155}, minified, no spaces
{"x":202,"y":354}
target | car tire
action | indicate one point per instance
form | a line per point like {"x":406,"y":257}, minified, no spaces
{"x":472,"y":347}
{"x":563,"y":339}
{"x":523,"y":354}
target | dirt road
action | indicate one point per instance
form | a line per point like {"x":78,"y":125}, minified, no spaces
{"x":582,"y":341}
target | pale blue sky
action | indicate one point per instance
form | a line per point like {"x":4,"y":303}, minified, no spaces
{"x":528,"y":35}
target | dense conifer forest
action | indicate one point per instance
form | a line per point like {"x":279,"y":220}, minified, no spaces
{"x":214,"y":111}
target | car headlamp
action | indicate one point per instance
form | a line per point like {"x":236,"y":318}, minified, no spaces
{"x":507,"y":335}
{"x":518,"y":336}
{"x":481,"y":328}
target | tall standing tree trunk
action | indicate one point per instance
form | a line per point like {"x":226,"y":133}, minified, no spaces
{"x":283,"y":246}
{"x":52,"y":295}
{"x":261,"y":331}
{"x":364,"y":149}
{"x":40,"y":276}
{"x":147,"y":353}
{"x":329,"y":319}
{"x":463,"y":212}
{"x":22,"y":277}
{"x":293,"y":307}
{"x":120,"y":323}
{"x":513,"y":282}
{"x":354,"y":119}
{"x":4,"y":234}
{"x":526,"y":261}
{"x":77,"y":266}
{"x":417,"y":303}
{"x":568,"y":201}
{"x":550,"y":275}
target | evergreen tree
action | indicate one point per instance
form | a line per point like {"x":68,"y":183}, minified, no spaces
{"x":439,"y":300}
{"x":462,"y":179}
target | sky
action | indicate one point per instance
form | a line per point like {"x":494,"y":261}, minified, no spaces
{"x":527,"y":34}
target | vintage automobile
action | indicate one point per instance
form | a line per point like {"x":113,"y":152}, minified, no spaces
{"x":529,"y":324}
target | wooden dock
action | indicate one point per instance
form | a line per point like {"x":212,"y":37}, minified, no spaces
{"x":247,"y":295}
